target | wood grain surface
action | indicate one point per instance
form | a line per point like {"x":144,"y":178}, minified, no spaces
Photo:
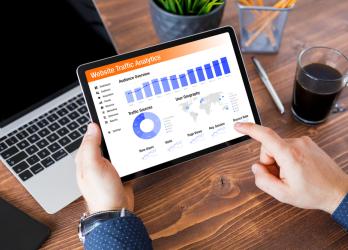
{"x":212,"y":202}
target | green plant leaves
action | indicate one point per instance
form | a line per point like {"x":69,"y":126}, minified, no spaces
{"x":179,"y":7}
{"x":189,"y":7}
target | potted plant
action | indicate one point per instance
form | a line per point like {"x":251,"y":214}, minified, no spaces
{"x":177,"y":18}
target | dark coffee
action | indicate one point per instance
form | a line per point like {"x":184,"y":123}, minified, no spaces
{"x":317,"y":86}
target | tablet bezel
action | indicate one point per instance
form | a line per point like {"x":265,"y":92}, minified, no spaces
{"x":90,"y":104}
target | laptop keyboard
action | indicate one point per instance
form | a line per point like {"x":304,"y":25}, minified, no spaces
{"x":40,"y":143}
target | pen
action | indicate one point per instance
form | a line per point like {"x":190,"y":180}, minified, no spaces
{"x":263,"y":75}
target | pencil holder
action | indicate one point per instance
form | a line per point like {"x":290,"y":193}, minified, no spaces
{"x":261,"y":27}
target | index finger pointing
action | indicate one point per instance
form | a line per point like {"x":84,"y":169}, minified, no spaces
{"x":268,"y":138}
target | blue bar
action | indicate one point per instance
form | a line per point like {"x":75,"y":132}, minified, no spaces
{"x":174,"y":82}
{"x":138,"y":93}
{"x":208,"y":70}
{"x":200,"y":74}
{"x":191,"y":75}
{"x":129,"y":96}
{"x":156,"y":86}
{"x":183,"y":80}
{"x":165,"y":84}
{"x":225,"y":65}
{"x":147,"y":89}
{"x":217,"y":69}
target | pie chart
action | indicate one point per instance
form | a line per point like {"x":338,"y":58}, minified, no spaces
{"x":146,"y":125}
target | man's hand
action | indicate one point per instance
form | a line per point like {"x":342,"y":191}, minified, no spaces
{"x":97,"y":178}
{"x":296,"y":171}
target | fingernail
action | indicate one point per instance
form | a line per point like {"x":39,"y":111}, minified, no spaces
{"x":238,"y":125}
{"x":254,"y":168}
{"x":91,"y":129}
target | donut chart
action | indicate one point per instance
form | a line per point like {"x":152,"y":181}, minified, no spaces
{"x":140,"y":118}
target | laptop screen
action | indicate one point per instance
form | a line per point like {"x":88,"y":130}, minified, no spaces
{"x":43,"y":49}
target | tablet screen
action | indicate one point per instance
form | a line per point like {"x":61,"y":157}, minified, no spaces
{"x":166,"y":104}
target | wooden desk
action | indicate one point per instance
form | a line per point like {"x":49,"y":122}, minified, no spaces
{"x":212,"y":202}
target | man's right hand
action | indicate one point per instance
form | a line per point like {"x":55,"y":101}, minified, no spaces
{"x":296,"y":171}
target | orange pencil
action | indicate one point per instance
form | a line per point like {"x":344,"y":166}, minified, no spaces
{"x":264,"y":25}
{"x":260,"y":2}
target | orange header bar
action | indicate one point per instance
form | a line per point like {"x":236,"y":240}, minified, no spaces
{"x":152,"y":58}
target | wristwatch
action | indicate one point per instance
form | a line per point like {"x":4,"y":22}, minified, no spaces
{"x":91,"y":221}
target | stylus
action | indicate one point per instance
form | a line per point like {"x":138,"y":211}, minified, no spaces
{"x":264,"y":77}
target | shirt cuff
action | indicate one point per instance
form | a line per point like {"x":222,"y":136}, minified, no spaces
{"x":126,"y":232}
{"x":340,"y":215}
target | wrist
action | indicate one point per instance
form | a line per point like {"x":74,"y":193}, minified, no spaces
{"x":97,"y":208}
{"x":338,"y":195}
{"x":335,"y":202}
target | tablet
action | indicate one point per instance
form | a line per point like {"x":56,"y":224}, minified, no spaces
{"x":169,"y":103}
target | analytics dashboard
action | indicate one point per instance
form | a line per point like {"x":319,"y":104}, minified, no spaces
{"x":170,"y":103}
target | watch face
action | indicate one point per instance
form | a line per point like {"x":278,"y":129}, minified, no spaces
{"x":91,"y":221}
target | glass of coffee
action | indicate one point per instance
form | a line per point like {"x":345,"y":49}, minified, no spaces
{"x":321,"y":75}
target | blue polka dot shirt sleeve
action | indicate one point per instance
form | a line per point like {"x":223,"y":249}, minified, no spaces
{"x":341,"y":213}
{"x":126,"y":232}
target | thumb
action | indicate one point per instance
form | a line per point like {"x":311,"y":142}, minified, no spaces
{"x":90,"y":146}
{"x":269,"y":183}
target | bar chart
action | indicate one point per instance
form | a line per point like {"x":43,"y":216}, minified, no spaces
{"x":195,"y":75}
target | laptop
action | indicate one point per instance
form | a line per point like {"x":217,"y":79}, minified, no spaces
{"x":43,"y":113}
